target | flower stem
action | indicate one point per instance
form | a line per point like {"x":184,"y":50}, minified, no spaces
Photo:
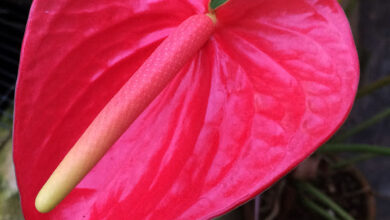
{"x":351,"y":161}
{"x":362,"y":126}
{"x":214,"y":4}
{"x":324,"y":199}
{"x":317,"y":209}
{"x":366,"y":90}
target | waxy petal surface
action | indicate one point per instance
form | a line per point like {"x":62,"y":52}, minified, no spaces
{"x":274,"y":82}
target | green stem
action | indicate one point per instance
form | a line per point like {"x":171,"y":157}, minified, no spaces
{"x":350,"y":7}
{"x":317,"y":209}
{"x":366,"y":90}
{"x":364,"y":125}
{"x":324,"y":199}
{"x":357,"y":148}
{"x":214,"y":4}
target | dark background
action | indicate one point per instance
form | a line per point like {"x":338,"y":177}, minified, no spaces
{"x":372,"y":35}
{"x":370,"y":21}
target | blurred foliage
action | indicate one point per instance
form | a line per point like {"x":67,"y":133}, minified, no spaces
{"x":9,"y":197}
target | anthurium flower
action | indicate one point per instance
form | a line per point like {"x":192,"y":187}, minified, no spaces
{"x":267,"y":85}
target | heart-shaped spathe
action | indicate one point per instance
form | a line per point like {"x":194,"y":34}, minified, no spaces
{"x":276,"y":80}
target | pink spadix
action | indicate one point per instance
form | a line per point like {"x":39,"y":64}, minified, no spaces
{"x":126,"y":105}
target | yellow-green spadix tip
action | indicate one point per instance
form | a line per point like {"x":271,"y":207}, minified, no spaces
{"x":43,"y":202}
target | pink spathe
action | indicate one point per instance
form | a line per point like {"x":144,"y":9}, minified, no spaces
{"x":274,"y":82}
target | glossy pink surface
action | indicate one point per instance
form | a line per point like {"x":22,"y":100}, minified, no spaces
{"x":276,"y":80}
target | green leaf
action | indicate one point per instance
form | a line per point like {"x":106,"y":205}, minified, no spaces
{"x":214,"y":4}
